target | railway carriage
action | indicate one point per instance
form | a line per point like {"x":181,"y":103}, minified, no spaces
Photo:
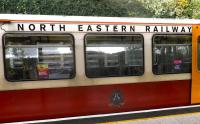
{"x":66,"y":66}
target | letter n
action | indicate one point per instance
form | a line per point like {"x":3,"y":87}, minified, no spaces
{"x":20,"y":27}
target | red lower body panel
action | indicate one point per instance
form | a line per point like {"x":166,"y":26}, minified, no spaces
{"x":35,"y":104}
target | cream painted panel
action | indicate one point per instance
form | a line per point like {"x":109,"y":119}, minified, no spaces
{"x":80,"y":78}
{"x":2,"y":80}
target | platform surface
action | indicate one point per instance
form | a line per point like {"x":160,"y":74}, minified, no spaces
{"x":190,"y":118}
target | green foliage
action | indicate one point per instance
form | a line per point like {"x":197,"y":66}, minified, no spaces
{"x":64,"y":7}
{"x":125,"y":8}
{"x":169,"y":8}
{"x":173,"y":8}
{"x":195,"y":6}
{"x":137,"y":8}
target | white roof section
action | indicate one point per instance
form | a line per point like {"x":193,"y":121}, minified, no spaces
{"x":20,"y":17}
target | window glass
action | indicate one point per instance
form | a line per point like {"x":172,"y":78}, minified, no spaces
{"x":114,"y":55}
{"x":38,"y":57}
{"x":172,"y":54}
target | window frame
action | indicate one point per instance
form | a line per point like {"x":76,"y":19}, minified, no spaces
{"x":152,"y":52}
{"x":39,"y":34}
{"x":110,"y":34}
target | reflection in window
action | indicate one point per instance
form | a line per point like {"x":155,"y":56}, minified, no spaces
{"x":36,"y":57}
{"x":172,"y":54}
{"x":114,"y":55}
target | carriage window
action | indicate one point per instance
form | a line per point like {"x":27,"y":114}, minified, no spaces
{"x":172,"y":54}
{"x":38,"y":57}
{"x":114,"y":55}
